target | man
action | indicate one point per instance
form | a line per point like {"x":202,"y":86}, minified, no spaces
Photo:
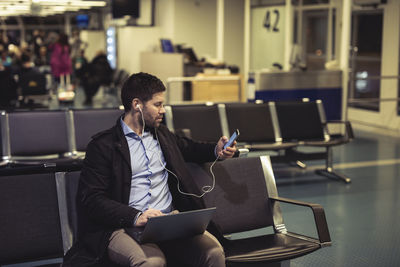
{"x":8,"y":89}
{"x":96,"y":73}
{"x":125,"y":181}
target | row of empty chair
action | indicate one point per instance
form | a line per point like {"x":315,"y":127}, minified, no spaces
{"x":61,"y":136}
{"x":38,"y":215}
{"x":51,"y":137}
{"x":278,"y":126}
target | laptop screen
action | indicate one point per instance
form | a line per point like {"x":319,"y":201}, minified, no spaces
{"x":166,"y":46}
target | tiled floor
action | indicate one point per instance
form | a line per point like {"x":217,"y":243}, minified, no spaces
{"x":363,"y":216}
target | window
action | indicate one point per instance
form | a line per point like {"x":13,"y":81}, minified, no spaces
{"x":365,"y":60}
{"x":314,"y":32}
{"x":316,"y":24}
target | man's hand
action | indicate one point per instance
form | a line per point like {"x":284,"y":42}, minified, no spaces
{"x":144,"y":217}
{"x":225,"y":153}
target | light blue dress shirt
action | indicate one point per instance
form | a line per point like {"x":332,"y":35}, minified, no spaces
{"x":149,"y":186}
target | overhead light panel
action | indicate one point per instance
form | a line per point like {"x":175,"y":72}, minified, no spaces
{"x":45,"y":7}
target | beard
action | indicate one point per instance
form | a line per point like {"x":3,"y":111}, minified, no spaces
{"x":152,"y":123}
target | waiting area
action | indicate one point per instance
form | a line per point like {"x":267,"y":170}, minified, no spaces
{"x":335,"y":223}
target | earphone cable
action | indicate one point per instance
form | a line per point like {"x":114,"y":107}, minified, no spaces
{"x":206,"y":189}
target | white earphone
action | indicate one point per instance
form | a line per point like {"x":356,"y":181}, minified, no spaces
{"x":141,"y":112}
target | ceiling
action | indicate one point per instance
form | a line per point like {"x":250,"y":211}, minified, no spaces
{"x":46,"y":7}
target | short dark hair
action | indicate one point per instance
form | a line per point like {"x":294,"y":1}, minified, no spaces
{"x":140,"y":85}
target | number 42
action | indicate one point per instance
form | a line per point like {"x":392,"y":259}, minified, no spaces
{"x":267,"y":20}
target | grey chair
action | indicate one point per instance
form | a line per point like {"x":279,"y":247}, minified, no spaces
{"x":305,"y":123}
{"x":29,"y":217}
{"x":200,"y":121}
{"x":246,"y":198}
{"x":258,"y":126}
{"x":67,"y":188}
{"x":87,"y":122}
{"x":35,"y":138}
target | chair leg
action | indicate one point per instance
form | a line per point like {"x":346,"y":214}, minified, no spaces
{"x":332,"y":174}
{"x":291,"y":156}
{"x":301,"y":164}
{"x":298,"y":164}
{"x":328,"y":171}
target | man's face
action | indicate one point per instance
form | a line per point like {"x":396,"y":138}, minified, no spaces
{"x":153,"y":110}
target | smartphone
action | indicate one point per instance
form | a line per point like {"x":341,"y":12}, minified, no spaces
{"x":234,"y":136}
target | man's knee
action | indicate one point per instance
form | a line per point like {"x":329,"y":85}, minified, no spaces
{"x":154,"y":262}
{"x":216,"y":257}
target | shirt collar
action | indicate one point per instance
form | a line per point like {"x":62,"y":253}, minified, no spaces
{"x":127,"y":130}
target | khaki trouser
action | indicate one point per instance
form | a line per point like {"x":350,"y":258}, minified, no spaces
{"x":202,"y":250}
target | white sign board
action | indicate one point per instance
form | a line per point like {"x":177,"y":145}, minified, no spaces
{"x":267,"y":37}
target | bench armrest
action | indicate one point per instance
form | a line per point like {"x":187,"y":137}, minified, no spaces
{"x":319,"y":217}
{"x":349,"y":129}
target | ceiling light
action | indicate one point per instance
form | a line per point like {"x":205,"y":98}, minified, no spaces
{"x":45,"y":7}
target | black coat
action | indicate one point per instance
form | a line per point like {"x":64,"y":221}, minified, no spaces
{"x":99,"y":71}
{"x":104,"y":189}
{"x":8,"y":88}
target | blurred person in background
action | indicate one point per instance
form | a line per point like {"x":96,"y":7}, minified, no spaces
{"x":98,"y":72}
{"x":60,"y":60}
{"x":37,"y":42}
{"x":26,"y":63}
{"x":51,"y":38}
{"x":15,"y":52}
{"x":5,"y":58}
{"x":4,"y":40}
{"x":77,"y":44}
{"x":42,"y":59}
{"x":80,"y":65}
{"x":31,"y":80}
{"x":8,"y":88}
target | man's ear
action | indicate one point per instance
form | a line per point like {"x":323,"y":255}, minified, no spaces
{"x":136,"y":104}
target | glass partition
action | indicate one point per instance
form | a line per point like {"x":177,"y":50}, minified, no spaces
{"x":316,"y":24}
{"x":314,"y":32}
{"x":365,"y":60}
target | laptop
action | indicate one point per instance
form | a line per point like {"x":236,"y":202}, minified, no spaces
{"x":173,"y":226}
